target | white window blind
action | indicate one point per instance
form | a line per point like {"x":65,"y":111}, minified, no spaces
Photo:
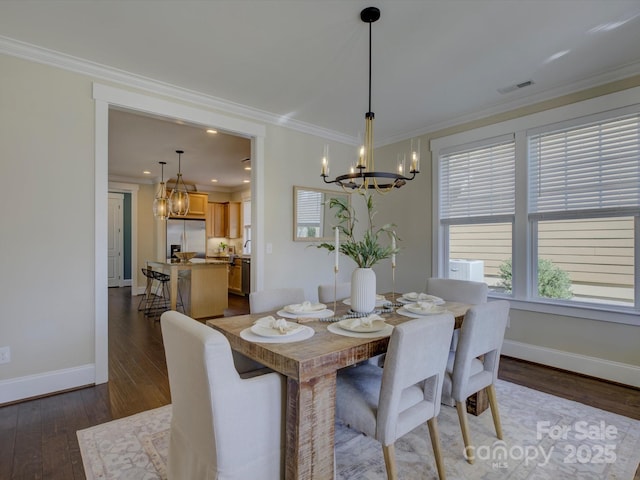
{"x":309,"y":205}
{"x":478,"y":181}
{"x":591,"y":166}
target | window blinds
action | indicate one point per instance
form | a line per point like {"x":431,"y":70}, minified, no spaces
{"x":591,"y":166}
{"x":478,"y":181}
{"x":309,"y":208}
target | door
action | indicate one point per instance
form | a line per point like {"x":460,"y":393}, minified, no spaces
{"x":115,"y":240}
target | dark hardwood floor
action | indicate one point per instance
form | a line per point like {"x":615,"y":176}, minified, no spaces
{"x":38,"y":437}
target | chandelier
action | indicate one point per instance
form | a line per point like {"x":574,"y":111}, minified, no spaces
{"x":179,"y":199}
{"x":364,"y":174}
{"x":161,"y":201}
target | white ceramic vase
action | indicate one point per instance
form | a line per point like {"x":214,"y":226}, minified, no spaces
{"x":363,"y":290}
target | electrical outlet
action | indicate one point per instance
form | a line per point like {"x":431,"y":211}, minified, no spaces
{"x":5,"y":354}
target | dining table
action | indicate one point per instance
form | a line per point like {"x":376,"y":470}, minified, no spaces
{"x":310,"y":366}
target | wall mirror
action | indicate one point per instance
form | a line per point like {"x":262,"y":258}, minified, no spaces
{"x":312,"y":217}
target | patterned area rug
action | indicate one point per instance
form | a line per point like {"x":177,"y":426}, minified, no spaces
{"x":546,"y":437}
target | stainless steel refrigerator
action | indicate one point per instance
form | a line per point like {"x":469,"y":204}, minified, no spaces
{"x":186,"y":236}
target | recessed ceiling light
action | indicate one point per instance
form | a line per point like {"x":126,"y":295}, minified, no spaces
{"x":214,"y":180}
{"x":246,"y":181}
{"x":247,"y":168}
{"x":147,"y":172}
{"x":211,"y":130}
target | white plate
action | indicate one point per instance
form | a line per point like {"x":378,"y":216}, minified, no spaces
{"x":413,"y":308}
{"x":272,"y":332}
{"x":428,"y":298}
{"x":375,"y":326}
{"x":379,"y":302}
{"x":313,"y":307}
{"x":319,"y":314}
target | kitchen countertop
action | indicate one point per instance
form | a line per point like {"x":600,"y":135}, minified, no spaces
{"x":192,"y":262}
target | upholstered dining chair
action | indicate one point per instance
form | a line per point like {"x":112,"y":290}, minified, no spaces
{"x":272,"y":299}
{"x":454,"y":290}
{"x":330,"y":292}
{"x":223,"y":425}
{"x":386,"y":403}
{"x":474,"y":365}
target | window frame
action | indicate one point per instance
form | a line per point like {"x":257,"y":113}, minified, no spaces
{"x":523,"y":239}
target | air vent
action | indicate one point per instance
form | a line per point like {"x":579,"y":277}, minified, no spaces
{"x":517,"y":86}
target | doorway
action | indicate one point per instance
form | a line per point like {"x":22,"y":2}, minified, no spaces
{"x":115,"y":240}
{"x":106,"y":97}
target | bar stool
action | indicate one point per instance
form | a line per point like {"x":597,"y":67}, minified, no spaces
{"x":146,"y":297}
{"x":161,"y":298}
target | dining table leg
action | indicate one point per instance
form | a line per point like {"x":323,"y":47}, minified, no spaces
{"x":310,"y":428}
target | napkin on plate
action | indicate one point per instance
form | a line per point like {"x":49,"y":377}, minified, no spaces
{"x":422,"y":297}
{"x":364,"y":321}
{"x":279,"y":324}
{"x":422,"y":306}
{"x":303,"y":307}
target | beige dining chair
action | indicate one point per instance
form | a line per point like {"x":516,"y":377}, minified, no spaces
{"x":330,"y":292}
{"x":273,"y":299}
{"x":474,"y":365}
{"x":454,"y":290}
{"x":386,"y":403}
{"x":222,"y":425}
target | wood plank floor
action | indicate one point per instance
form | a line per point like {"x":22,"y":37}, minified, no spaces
{"x":38,"y":437}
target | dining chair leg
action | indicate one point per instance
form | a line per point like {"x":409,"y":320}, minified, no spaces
{"x":435,"y":443}
{"x":495,"y":413}
{"x":464,"y":426}
{"x":390,"y":461}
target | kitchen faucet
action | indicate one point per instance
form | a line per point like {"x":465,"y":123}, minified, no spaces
{"x":245,"y":243}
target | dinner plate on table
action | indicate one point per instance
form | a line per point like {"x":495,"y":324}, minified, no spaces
{"x":352,"y":325}
{"x":264,"y":331}
{"x":302,"y":308}
{"x":425,"y":298}
{"x":380,"y":301}
{"x":325,"y":313}
{"x":417,"y":310}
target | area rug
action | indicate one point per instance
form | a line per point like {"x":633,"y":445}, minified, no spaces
{"x":545,"y":437}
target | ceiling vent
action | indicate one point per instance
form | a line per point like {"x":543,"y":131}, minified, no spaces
{"x":517,"y":86}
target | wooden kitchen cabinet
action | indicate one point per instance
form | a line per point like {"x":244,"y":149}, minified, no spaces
{"x":216,"y":219}
{"x":235,"y":220}
{"x":197,"y":206}
{"x":235,"y":277}
{"x":224,"y":220}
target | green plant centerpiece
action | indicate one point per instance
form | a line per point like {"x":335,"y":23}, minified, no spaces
{"x":365,"y":251}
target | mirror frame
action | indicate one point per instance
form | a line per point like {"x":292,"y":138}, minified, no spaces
{"x":332,"y":193}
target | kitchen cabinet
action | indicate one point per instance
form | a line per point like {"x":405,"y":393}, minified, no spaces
{"x":197,"y":206}
{"x":216,"y":219}
{"x":235,"y":276}
{"x":234,"y":227}
{"x":224,"y":220}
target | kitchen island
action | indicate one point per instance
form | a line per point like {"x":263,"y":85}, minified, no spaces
{"x":203,"y":285}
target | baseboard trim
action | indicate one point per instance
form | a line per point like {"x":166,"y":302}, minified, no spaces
{"x":595,"y":367}
{"x":46,"y":383}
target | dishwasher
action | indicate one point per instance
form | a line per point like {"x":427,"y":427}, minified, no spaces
{"x":246,"y":276}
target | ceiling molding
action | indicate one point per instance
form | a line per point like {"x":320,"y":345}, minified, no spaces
{"x":623,"y":72}
{"x":52,"y":58}
{"x":26,"y":51}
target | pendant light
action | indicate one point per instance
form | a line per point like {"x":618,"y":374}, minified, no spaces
{"x":364,"y":175}
{"x":179,"y":199}
{"x":161,"y":201}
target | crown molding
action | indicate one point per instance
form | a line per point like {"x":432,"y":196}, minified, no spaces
{"x":26,"y":51}
{"x":621,"y":73}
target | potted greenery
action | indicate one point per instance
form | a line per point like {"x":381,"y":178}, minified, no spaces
{"x":365,"y":252}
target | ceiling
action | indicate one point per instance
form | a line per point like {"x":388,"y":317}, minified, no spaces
{"x":304,"y":63}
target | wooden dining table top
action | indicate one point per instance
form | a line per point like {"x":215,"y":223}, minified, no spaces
{"x":324,"y":351}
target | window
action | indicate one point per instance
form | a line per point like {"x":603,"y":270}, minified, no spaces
{"x":546,"y":208}
{"x":584,"y":199}
{"x":477,"y":201}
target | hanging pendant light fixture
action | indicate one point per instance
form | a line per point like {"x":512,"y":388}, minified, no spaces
{"x":364,"y":175}
{"x":179,"y":199}
{"x":161,"y":201}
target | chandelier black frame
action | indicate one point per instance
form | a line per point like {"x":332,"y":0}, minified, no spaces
{"x":366,"y":176}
